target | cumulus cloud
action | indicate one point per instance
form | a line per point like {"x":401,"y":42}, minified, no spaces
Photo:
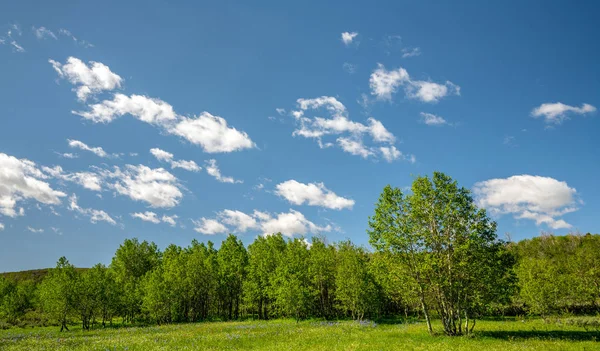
{"x":287,"y":223}
{"x":98,"y":151}
{"x":94,"y":215}
{"x":292,"y":223}
{"x":20,"y":179}
{"x":1,"y":227}
{"x":391,"y":153}
{"x":355,"y":147}
{"x":146,"y":217}
{"x":542,"y":199}
{"x":171,"y":220}
{"x":166,"y":156}
{"x":209,"y":226}
{"x":212,"y":133}
{"x":213,"y":170}
{"x":88,"y":180}
{"x":146,"y":109}
{"x":157,"y":187}
{"x":67,"y":155}
{"x":89,"y":80}
{"x":432,"y":120}
{"x":152,"y":217}
{"x":350,"y":133}
{"x":43,"y":33}
{"x":34,"y":230}
{"x":556,"y":113}
{"x":240,"y":221}
{"x":384,"y":83}
{"x":348,"y":37}
{"x":314,"y":194}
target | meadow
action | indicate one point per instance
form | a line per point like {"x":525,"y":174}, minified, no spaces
{"x":508,"y":334}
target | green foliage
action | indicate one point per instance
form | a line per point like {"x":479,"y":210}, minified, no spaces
{"x":356,"y":290}
{"x":232,"y":259}
{"x":447,"y":246}
{"x":131,"y":262}
{"x":294,"y":293}
{"x":58,"y":292}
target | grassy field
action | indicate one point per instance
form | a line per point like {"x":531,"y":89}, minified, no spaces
{"x":307,"y":335}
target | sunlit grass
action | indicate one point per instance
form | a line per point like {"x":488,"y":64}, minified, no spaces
{"x":306,"y":335}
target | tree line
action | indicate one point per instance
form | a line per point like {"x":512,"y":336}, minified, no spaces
{"x":435,"y":255}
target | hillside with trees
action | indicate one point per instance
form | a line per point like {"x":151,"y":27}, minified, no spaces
{"x":434,"y":255}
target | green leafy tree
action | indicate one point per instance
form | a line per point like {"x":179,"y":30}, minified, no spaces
{"x":294,"y":290}
{"x":58,"y":292}
{"x":322,"y":273}
{"x":232,"y":259}
{"x":201,"y":279}
{"x":264,"y":256}
{"x":356,"y":291}
{"x":447,"y":245}
{"x":131,"y":262}
{"x":16,"y":298}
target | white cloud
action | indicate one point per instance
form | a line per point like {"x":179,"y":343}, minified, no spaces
{"x":432,"y":120}
{"x":95,"y":215}
{"x":171,"y":220}
{"x":146,"y":216}
{"x":384,"y":83}
{"x":542,"y":199}
{"x":330,"y":103}
{"x":212,"y":134}
{"x":291,"y":223}
{"x":280,"y":111}
{"x":1,"y":227}
{"x":34,"y":230}
{"x":391,"y":154}
{"x":411,"y":52}
{"x":287,"y":223}
{"x":166,"y":156}
{"x":213,"y":170}
{"x":17,"y":47}
{"x":152,"y":217}
{"x":379,"y":133}
{"x":149,"y":110}
{"x":314,"y":194}
{"x":88,"y":180}
{"x":98,"y":151}
{"x":89,"y":80}
{"x":354,"y":147}
{"x":556,"y":113}
{"x":68,"y":34}
{"x":68,"y":155}
{"x":157,"y":187}
{"x":43,"y":33}
{"x":348,"y":37}
{"x":352,"y":139}
{"x":430,"y":91}
{"x":209,"y":226}
{"x":237,"y":219}
{"x":20,"y":179}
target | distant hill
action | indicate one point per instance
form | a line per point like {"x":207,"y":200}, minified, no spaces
{"x":37,"y":275}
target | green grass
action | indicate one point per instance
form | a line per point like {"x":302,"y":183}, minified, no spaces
{"x":307,"y":335}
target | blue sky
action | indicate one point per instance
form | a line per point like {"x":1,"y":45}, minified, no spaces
{"x":295,"y":117}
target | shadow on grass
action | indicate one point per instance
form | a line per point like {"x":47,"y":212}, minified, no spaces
{"x":571,"y":335}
